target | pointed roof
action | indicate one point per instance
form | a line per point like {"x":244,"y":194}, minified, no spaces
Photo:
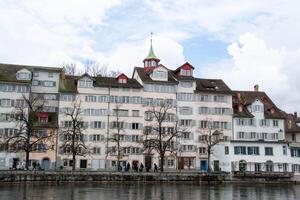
{"x":151,"y":53}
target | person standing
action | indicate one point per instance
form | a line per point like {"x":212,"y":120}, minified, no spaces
{"x":155,"y":167}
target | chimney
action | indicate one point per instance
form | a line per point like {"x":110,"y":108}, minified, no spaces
{"x":240,"y":108}
{"x":239,"y":95}
{"x":295,"y":114}
{"x":289,"y":124}
{"x":256,"y":88}
{"x":62,"y":74}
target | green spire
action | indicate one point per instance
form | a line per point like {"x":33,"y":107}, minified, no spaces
{"x":151,"y":52}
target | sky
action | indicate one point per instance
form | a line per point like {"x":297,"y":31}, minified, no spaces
{"x":243,"y":42}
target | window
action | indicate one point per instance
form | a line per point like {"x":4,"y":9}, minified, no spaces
{"x":257,"y":108}
{"x":49,"y":83}
{"x":148,"y":116}
{"x":97,"y":124}
{"x":49,"y":96}
{"x":293,"y":137}
{"x":135,"y":113}
{"x":94,"y":112}
{"x":264,"y":122}
{"x":186,"y":84}
{"x":121,"y":113}
{"x":170,"y":163}
{"x":159,"y":74}
{"x":204,"y":98}
{"x":85,"y":83}
{"x":220,"y":98}
{"x":6,"y":102}
{"x":187,"y":135}
{"x":253,"y":150}
{"x":204,"y":110}
{"x":240,"y":135}
{"x":90,"y":98}
{"x":184,"y":72}
{"x":122,"y":80}
{"x":96,"y":150}
{"x":240,"y":150}
{"x":67,"y":97}
{"x":202,"y":150}
{"x":35,"y":82}
{"x":102,"y":99}
{"x":275,"y":123}
{"x":186,"y":110}
{"x":21,"y":88}
{"x":226,"y":150}
{"x":269,"y":151}
{"x":186,"y":122}
{"x":135,"y":126}
{"x":23,"y":75}
{"x":35,"y":74}
{"x":284,"y":151}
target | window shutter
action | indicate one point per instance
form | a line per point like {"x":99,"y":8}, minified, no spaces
{"x":191,"y":136}
{"x":193,"y":123}
{"x":92,"y":124}
{"x":140,"y":126}
{"x":62,"y":124}
{"x":103,"y":125}
{"x":90,"y":138}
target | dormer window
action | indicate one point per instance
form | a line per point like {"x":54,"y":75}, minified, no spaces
{"x":186,"y":84}
{"x":23,"y":75}
{"x":85,"y":83}
{"x":160,"y":74}
{"x":122,"y":78}
{"x":186,"y":72}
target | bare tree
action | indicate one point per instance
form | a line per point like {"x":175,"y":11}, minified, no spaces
{"x":91,"y":67}
{"x":73,"y":133}
{"x":210,"y":137}
{"x":118,"y":126}
{"x":158,"y":137}
{"x":27,"y":136}
{"x":70,"y":69}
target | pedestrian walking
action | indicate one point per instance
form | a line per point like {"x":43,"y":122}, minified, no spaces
{"x":141,"y":167}
{"x":155,"y":167}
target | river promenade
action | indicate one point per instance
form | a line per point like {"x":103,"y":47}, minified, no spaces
{"x":13,"y":176}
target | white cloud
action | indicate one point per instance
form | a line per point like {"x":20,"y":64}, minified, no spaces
{"x":50,"y":32}
{"x":132,"y":54}
{"x":253,"y":62}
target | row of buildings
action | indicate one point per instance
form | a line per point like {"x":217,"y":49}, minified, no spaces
{"x":256,"y":135}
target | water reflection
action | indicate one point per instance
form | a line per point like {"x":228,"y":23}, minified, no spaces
{"x":156,"y":191}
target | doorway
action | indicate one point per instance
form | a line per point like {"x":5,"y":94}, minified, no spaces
{"x":203,"y":165}
{"x":83,"y":164}
{"x":216,"y":165}
{"x":148,"y":163}
{"x":45,"y":164}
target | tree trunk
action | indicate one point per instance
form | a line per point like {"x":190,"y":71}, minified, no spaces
{"x":162,"y":157}
{"x":74,"y":162}
{"x":208,"y":160}
{"x":27,"y":160}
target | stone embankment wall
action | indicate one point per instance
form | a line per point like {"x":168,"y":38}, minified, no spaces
{"x":80,"y":176}
{"x":24,"y":176}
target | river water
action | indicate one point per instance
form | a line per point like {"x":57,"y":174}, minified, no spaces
{"x":157,"y":191}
